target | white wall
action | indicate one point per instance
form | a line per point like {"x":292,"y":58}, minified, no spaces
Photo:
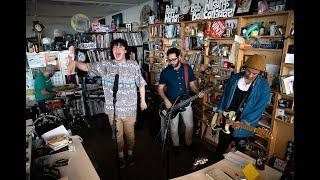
{"x":63,"y":24}
{"x":130,"y":15}
{"x":133,"y":14}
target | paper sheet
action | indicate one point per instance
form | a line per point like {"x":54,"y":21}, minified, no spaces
{"x":61,"y":130}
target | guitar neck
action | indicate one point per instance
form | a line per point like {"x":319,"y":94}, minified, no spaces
{"x":242,"y":126}
{"x":182,"y":103}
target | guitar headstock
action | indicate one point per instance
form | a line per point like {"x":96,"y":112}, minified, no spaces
{"x":263,"y":132}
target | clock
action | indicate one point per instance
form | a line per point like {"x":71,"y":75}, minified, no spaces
{"x":37,"y":26}
{"x":185,"y":6}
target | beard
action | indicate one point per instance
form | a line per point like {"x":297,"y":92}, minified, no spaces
{"x":175,"y":65}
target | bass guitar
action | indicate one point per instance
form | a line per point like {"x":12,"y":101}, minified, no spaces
{"x":229,"y":119}
{"x":178,"y":105}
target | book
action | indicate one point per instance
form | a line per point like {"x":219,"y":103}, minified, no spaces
{"x":218,"y":174}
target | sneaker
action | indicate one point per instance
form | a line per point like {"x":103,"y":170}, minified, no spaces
{"x":122,"y":163}
{"x":131,"y":160}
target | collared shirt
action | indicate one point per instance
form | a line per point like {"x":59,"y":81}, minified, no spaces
{"x":130,"y":78}
{"x":174,"y":80}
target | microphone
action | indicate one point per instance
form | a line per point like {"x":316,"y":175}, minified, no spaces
{"x":115,"y":86}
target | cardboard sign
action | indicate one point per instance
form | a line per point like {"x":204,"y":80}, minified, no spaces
{"x":217,"y":29}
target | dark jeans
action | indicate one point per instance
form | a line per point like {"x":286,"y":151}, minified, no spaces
{"x":225,"y":140}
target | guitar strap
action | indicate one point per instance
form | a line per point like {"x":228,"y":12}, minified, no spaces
{"x":245,"y":97}
{"x":186,"y":76}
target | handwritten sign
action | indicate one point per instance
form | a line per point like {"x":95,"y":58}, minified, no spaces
{"x":196,"y":11}
{"x":171,"y":14}
{"x":218,"y":28}
{"x":213,"y":9}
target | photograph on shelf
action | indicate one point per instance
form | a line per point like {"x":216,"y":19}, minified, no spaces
{"x":232,"y":25}
{"x":118,"y":19}
{"x":243,"y":6}
{"x":146,"y":55}
{"x":213,"y":48}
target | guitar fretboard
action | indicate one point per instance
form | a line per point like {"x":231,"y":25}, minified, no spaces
{"x":243,"y":126}
{"x":183,"y":103}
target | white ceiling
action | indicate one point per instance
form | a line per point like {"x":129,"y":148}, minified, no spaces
{"x":68,"y":8}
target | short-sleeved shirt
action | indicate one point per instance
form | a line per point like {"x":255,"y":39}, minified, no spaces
{"x":130,"y":78}
{"x":42,"y":83}
{"x":174,"y":80}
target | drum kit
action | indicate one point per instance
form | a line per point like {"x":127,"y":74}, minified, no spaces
{"x":66,"y":109}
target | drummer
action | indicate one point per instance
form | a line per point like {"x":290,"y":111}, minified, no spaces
{"x":44,"y":90}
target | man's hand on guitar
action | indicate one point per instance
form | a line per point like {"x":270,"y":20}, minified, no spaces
{"x":167,"y":103}
{"x":201,"y":94}
{"x":236,"y":125}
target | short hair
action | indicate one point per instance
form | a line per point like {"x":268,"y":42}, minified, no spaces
{"x":121,"y":42}
{"x":173,"y":51}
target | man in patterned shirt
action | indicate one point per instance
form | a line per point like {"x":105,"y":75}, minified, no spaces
{"x":130,"y":78}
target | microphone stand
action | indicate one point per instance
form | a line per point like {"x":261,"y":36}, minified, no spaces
{"x":166,"y":148}
{"x":114,"y":137}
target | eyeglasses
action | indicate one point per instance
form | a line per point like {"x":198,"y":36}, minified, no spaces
{"x":170,"y":60}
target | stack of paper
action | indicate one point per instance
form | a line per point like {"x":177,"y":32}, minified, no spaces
{"x":57,"y":142}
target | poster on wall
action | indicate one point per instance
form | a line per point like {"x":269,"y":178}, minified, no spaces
{"x":29,"y":80}
{"x":118,"y":19}
{"x":52,"y":58}
{"x":64,"y":60}
{"x":58,"y":79}
{"x":213,"y":9}
{"x":36,"y":60}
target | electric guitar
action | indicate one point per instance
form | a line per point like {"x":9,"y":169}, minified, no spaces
{"x":178,"y":105}
{"x":229,"y":118}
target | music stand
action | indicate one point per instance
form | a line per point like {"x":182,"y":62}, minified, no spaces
{"x":114,"y":136}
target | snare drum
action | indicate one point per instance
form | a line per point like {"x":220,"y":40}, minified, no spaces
{"x":55,"y":104}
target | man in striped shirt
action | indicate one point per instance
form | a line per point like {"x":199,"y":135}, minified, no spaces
{"x":130,"y":78}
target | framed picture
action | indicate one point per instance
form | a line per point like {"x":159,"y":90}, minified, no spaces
{"x":213,"y":48}
{"x":102,"y":21}
{"x":243,"y":6}
{"x":118,"y":19}
{"x":146,"y":56}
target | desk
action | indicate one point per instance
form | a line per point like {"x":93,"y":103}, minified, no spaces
{"x":227,"y":166}
{"x":79,"y":167}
